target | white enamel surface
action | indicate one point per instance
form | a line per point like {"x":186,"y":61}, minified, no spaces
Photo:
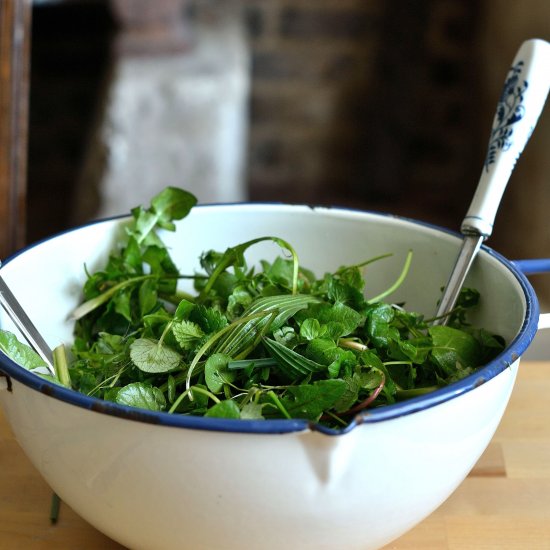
{"x":163,"y":487}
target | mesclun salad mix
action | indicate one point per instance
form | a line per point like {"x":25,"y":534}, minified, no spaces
{"x":269,"y":341}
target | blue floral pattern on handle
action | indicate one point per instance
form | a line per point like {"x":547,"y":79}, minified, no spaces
{"x":510,"y":109}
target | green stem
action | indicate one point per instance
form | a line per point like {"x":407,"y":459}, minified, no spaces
{"x":54,"y":508}
{"x":88,"y":306}
{"x":61,"y":366}
{"x":189,"y":391}
{"x":397,"y":283}
{"x":278,"y":404}
{"x":345,"y":268}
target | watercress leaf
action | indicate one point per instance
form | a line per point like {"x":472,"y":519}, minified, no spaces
{"x":147,"y":296}
{"x":369,"y":379}
{"x":187,"y":334}
{"x":452,"y":346}
{"x":310,"y":329}
{"x":369,"y":358}
{"x":172,"y":203}
{"x":111,"y":393}
{"x":342,"y":365}
{"x":381,"y":313}
{"x":224,"y":409}
{"x":142,"y":395}
{"x":349,"y":293}
{"x":335,"y":330}
{"x":311,"y":400}
{"x":144,"y":224}
{"x":349,"y":396}
{"x":183,"y":310}
{"x":286,"y":335}
{"x":18,"y":352}
{"x":323,"y":351}
{"x":281,"y":272}
{"x":238,"y":301}
{"x":131,"y":257}
{"x":348,"y":318}
{"x":252,"y":411}
{"x":217,"y":373}
{"x":162,"y":265}
{"x":378,"y":326}
{"x":122,"y":303}
{"x":152,"y":356}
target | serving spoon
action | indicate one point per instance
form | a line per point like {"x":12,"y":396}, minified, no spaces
{"x":518,"y":109}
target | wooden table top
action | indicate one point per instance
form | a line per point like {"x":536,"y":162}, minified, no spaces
{"x":503,"y":504}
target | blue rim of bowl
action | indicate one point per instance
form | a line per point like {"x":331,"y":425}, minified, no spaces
{"x":503,"y":361}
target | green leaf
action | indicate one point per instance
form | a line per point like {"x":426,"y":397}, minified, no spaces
{"x":217,"y":373}
{"x":347,"y":319}
{"x":147,"y":296}
{"x":172,"y":203}
{"x":18,"y":352}
{"x":209,"y":319}
{"x":187,"y":334}
{"x":311,"y":328}
{"x":184,"y":309}
{"x":122,"y":301}
{"x":141,"y":395}
{"x":252,"y":411}
{"x":224,"y":409}
{"x":311,"y":400}
{"x":151,"y":356}
{"x":451,"y":346}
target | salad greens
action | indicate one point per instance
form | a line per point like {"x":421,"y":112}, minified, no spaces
{"x":253,"y":342}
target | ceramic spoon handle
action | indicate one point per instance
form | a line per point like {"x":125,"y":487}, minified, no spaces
{"x":523,"y":97}
{"x":518,"y":110}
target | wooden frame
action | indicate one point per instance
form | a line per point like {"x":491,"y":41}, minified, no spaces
{"x":15,"y":30}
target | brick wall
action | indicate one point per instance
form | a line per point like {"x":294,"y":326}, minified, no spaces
{"x":364,"y":102}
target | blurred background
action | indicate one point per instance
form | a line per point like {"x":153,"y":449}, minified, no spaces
{"x":378,"y":104}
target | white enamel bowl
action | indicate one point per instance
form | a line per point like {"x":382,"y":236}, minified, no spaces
{"x":154,"y":480}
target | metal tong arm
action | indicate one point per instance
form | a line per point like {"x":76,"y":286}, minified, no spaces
{"x":21,"y":320}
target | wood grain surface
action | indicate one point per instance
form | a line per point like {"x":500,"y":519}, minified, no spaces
{"x":503,"y":504}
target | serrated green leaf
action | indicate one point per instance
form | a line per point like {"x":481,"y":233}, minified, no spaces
{"x":187,"y":334}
